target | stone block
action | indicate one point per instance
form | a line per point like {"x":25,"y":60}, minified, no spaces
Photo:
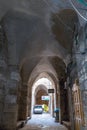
{"x":1,"y":84}
{"x":12,"y":91}
{"x":11,"y":99}
{"x":23,"y":100}
{"x":1,"y":107}
{"x":8,"y":107}
{"x":3,"y":63}
{"x":15,"y":76}
{"x":1,"y":95}
{"x":9,"y":120}
{"x":12,"y":87}
{"x":1,"y":112}
{"x":85,"y":84}
{"x":24,"y":92}
{"x":84,"y":96}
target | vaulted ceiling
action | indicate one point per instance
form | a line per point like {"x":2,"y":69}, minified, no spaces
{"x":39,"y":34}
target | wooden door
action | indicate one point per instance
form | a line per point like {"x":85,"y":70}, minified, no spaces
{"x":77,"y":102}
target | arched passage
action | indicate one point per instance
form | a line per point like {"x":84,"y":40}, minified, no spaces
{"x":52,"y":68}
{"x":40,"y":91}
{"x":46,"y":51}
{"x":45,"y":83}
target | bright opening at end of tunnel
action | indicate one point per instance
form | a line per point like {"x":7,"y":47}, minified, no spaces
{"x":42,"y":100}
{"x":44,"y":81}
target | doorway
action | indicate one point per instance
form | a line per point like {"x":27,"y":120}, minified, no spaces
{"x":77,"y":102}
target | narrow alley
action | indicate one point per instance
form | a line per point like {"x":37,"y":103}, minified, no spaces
{"x":43,"y":64}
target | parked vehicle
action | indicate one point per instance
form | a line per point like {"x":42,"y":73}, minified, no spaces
{"x":38,"y":109}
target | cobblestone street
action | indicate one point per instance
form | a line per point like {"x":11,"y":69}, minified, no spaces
{"x":43,"y":122}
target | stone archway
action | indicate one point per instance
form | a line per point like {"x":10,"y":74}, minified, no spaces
{"x":44,"y":82}
{"x":39,"y":95}
{"x":43,"y":52}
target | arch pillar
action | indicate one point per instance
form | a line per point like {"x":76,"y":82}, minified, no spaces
{"x":3,"y":82}
{"x":29,"y":102}
{"x":22,"y":109}
{"x":79,"y":67}
{"x":10,"y":106}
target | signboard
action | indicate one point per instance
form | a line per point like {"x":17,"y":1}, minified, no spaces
{"x":50,"y":90}
{"x":45,"y":98}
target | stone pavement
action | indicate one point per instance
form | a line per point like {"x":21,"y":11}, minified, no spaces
{"x":43,"y":122}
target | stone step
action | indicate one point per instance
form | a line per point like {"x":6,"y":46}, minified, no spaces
{"x":67,"y":124}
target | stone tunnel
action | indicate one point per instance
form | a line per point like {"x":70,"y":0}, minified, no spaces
{"x":43,"y":39}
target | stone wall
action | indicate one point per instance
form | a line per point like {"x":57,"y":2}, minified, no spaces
{"x":82,"y":70}
{"x":80,"y":56}
{"x":2,"y":98}
{"x":9,"y":100}
{"x":22,"y":109}
{"x":72,"y":75}
{"x":9,"y":80}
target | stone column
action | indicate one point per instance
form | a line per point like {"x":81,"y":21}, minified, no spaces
{"x":10,"y":108}
{"x":22,"y":111}
{"x":82,"y":73}
{"x":3,"y":74}
{"x":80,"y":50}
{"x":71,"y":109}
{"x":2,"y":96}
{"x":29,"y":101}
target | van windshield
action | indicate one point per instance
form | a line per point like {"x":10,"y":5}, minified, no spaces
{"x":37,"y":106}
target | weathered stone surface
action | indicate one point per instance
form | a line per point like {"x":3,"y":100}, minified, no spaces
{"x":9,"y":120}
{"x":10,"y":99}
{"x":12,"y":87}
{"x":30,"y":30}
{"x":1,"y":95}
{"x":3,"y":64}
{"x":81,"y":59}
{"x":1,"y":112}
{"x":84,"y":99}
{"x":15,"y":76}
